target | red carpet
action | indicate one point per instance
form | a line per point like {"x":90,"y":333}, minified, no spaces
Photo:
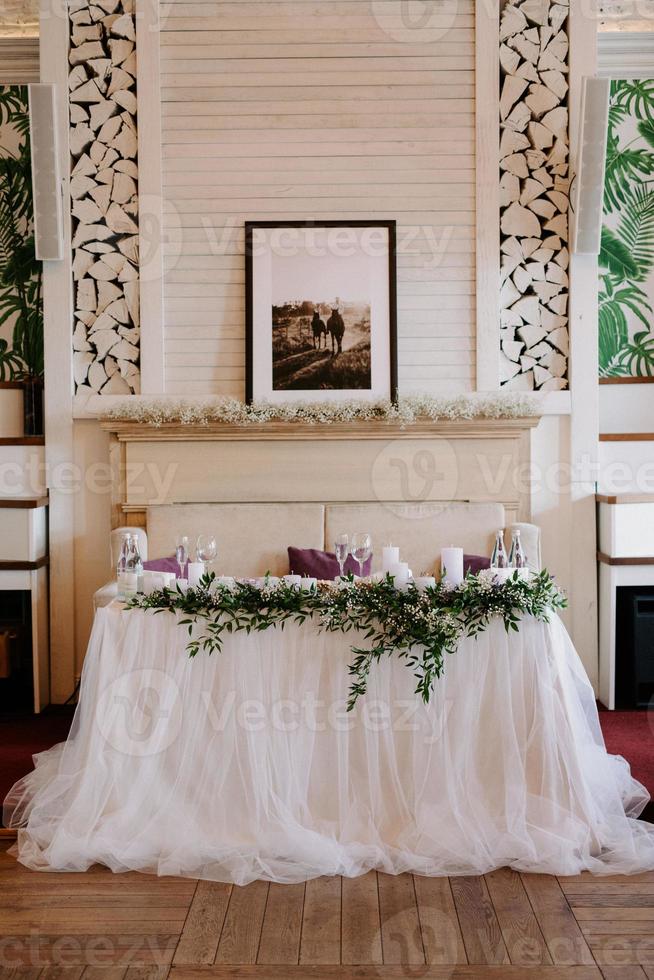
{"x":23,"y":736}
{"x":631,"y":734}
{"x":627,"y":733}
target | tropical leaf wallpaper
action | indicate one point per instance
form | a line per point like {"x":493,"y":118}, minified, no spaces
{"x":626,"y":260}
{"x":21,"y":306}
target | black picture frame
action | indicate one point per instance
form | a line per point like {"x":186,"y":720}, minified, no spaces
{"x":251,"y":226}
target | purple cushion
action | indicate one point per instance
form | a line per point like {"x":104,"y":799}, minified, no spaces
{"x":475,"y":563}
{"x":163,"y":565}
{"x":321,"y":564}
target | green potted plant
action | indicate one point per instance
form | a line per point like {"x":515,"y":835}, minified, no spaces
{"x":20,"y":271}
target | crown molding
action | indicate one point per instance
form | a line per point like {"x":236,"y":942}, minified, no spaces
{"x":625,"y":54}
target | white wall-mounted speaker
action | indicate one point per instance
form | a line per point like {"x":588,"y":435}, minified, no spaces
{"x":591,"y":162}
{"x":46,"y":179}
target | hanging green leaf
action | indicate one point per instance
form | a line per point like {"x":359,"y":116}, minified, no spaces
{"x":637,"y":357}
{"x":617,"y":115}
{"x":616,"y":257}
{"x":635,"y":95}
{"x":14,"y":106}
{"x":613,"y":332}
{"x":624,"y":168}
{"x":637,"y":301}
{"x":10,"y":364}
{"x":636,"y":229}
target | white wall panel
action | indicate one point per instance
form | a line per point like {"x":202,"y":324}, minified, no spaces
{"x":300,"y":109}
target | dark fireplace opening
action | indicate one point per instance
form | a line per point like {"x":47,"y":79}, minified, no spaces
{"x":634,"y":647}
{"x":16,"y":668}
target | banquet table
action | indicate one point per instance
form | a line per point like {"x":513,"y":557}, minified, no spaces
{"x":245,"y":764}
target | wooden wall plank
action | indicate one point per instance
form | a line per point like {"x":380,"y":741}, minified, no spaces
{"x":293,"y":108}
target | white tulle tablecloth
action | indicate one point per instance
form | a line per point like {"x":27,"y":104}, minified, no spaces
{"x":246,"y":765}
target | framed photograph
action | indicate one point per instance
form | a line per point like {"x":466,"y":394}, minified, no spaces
{"x":321,"y":319}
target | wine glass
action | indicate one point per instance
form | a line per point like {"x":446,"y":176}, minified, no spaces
{"x":181,"y":552}
{"x":206,"y":549}
{"x":361,"y":548}
{"x":342,"y":550}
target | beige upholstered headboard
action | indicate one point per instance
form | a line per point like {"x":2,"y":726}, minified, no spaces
{"x":253,"y":538}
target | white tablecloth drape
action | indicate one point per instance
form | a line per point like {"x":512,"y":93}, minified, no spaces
{"x":245,"y":764}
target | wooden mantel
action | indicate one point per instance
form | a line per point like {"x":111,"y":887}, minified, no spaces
{"x":390,"y":462}
{"x":420,"y":429}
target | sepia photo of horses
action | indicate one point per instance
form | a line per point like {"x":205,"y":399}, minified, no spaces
{"x":320,"y":311}
{"x":321,"y":344}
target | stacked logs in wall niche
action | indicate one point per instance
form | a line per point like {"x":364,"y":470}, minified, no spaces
{"x":534,"y":186}
{"x":104,"y":196}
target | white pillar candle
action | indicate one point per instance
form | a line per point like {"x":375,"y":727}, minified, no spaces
{"x":424,"y":582}
{"x":182,"y":584}
{"x":195,"y":572}
{"x":452,"y":565}
{"x":400,"y":573}
{"x":309,"y":583}
{"x":150,"y":582}
{"x":390,"y":557}
{"x":168,"y":580}
{"x":294,"y":581}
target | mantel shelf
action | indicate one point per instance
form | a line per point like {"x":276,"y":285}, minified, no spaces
{"x":420,"y":429}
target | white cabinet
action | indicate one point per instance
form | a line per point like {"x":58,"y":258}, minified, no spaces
{"x":24,"y":567}
{"x":626,"y":558}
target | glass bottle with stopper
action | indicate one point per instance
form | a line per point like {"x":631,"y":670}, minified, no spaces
{"x":133,"y":575}
{"x":499,"y":558}
{"x":517,"y":557}
{"x":122,"y":565}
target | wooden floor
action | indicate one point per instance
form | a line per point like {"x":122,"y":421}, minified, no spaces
{"x":99,"y":926}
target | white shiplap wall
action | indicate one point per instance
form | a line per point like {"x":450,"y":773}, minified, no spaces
{"x":315,"y":109}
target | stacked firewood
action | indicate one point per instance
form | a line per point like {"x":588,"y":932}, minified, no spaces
{"x":534,"y":186}
{"x":104,"y":194}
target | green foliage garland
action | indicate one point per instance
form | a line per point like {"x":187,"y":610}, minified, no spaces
{"x":421,"y":627}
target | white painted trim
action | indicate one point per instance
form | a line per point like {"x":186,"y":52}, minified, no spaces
{"x":487,"y":112}
{"x":150,"y":197}
{"x":19,"y":60}
{"x":58,"y":316}
{"x":625,"y":54}
{"x":584,"y":389}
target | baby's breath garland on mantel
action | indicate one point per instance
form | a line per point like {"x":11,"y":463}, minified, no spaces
{"x":406,"y":410}
{"x":419,"y":626}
